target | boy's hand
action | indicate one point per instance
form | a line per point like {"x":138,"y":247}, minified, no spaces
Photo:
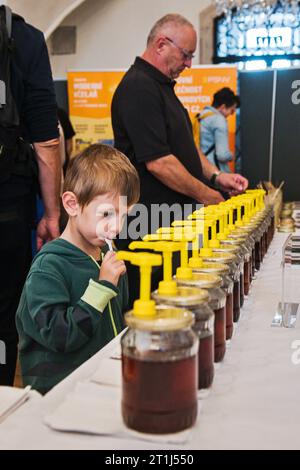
{"x":111,"y":268}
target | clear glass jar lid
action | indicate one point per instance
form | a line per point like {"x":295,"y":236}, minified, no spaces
{"x":234,"y":241}
{"x":185,"y":297}
{"x":221,"y":257}
{"x":166,"y":319}
{"x":214,"y":268}
{"x":227,"y":248}
{"x":237,"y":235}
{"x":203,"y":280}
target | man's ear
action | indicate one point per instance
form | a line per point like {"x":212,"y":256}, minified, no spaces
{"x":70,"y":203}
{"x":160,"y":44}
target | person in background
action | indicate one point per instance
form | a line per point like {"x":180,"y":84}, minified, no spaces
{"x":214,"y":139}
{"x":32,"y":90}
{"x":68,"y":133}
{"x":76,"y":291}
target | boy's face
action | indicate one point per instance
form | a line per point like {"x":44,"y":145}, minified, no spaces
{"x":102,"y":218}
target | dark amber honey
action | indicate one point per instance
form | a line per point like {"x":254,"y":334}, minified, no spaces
{"x":257,"y":255}
{"x":159,"y":397}
{"x":229,"y":316}
{"x":242,"y":295}
{"x":247,"y":276}
{"x":206,"y":370}
{"x":220,"y":334}
{"x":236,"y":301}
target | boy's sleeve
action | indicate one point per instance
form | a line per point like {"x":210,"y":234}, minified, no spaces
{"x":49,"y":318}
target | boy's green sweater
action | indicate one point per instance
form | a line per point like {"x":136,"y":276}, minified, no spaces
{"x":65,"y":314}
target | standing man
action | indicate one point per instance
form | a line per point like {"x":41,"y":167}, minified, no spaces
{"x":214,"y":139}
{"x":31,"y":89}
{"x":152,"y":127}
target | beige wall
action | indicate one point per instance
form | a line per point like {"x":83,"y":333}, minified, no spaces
{"x":45,"y":15}
{"x":110,"y":33}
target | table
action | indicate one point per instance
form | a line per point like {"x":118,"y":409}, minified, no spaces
{"x":254,"y":402}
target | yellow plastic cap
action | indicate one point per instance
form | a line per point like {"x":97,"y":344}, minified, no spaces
{"x":167,"y":288}
{"x":205,"y":252}
{"x":195,"y":262}
{"x":144,"y":308}
{"x":222,"y":236}
{"x":214,"y":243}
{"x":184,"y":273}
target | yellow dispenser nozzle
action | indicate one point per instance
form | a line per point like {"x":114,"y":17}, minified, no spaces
{"x":222,"y":212}
{"x":165,"y":230}
{"x":211,"y":221}
{"x":206,"y":250}
{"x":259,"y":195}
{"x":196,"y":227}
{"x":238,"y":207}
{"x":158,"y":237}
{"x":168,"y":286}
{"x":248,"y":203}
{"x":184,"y":272}
{"x":198,"y":214}
{"x":184,"y":223}
{"x":226,"y":212}
{"x":230,"y":227}
{"x":143,"y":307}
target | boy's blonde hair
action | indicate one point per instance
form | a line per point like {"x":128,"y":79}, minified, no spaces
{"x":102,"y":169}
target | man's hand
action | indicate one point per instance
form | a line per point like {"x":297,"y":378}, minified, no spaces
{"x":47,"y":230}
{"x":211,"y":197}
{"x":232,"y":183}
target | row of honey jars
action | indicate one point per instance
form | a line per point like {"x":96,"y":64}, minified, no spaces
{"x":196,"y":300}
{"x":208,"y":257}
{"x":198,"y":265}
{"x":222,"y":271}
{"x":236,"y":273}
{"x":217,"y":302}
{"x":244,"y":247}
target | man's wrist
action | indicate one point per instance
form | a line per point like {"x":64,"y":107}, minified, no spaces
{"x":213,"y":179}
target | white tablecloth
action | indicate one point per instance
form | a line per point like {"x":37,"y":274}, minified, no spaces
{"x":254,"y":402}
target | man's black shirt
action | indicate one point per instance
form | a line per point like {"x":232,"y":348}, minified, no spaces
{"x":150,"y":122}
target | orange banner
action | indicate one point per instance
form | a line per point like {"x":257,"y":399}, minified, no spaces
{"x":90,"y":95}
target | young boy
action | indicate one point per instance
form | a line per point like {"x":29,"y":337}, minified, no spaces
{"x":74,"y":295}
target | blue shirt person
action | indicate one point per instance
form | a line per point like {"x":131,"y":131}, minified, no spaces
{"x":214,"y":140}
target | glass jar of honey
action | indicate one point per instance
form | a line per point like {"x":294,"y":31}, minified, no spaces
{"x":239,"y":260}
{"x":245,"y":237}
{"x":196,"y":300}
{"x":217,"y":302}
{"x":231,"y":260}
{"x":245,"y":251}
{"x":159,"y":371}
{"x":223,"y":271}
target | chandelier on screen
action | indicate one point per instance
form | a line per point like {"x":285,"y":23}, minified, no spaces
{"x":264,"y":8}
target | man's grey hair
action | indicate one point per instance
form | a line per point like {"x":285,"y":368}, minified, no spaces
{"x":170,"y":19}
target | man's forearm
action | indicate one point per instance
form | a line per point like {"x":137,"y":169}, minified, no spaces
{"x":49,"y":163}
{"x":208,"y":168}
{"x":170,"y":171}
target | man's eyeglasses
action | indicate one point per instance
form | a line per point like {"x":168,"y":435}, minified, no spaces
{"x":186,"y":54}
